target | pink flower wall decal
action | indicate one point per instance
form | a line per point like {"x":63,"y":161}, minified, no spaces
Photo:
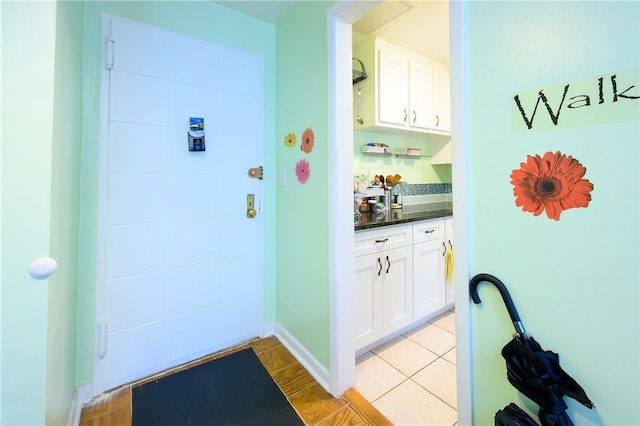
{"x":302,"y":171}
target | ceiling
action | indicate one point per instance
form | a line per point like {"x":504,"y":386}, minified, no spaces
{"x":421,"y":26}
{"x":265,"y":10}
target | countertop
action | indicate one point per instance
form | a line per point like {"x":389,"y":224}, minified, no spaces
{"x":406,"y":214}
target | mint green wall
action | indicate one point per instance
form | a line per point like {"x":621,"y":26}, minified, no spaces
{"x":302,"y":219}
{"x":28,"y":34}
{"x":574,"y":281}
{"x":201,"y":19}
{"x":412,"y":170}
{"x":65,"y":179}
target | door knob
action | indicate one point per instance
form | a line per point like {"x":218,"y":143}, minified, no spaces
{"x":43,"y":267}
{"x":251,"y":211}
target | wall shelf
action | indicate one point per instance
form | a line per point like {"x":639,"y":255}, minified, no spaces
{"x":394,"y":154}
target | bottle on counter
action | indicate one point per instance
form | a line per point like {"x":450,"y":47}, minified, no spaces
{"x":387,"y":199}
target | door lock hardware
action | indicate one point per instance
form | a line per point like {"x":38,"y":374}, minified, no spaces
{"x":256,"y":172}
{"x":251,"y":211}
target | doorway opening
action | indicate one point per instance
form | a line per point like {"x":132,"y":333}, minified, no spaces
{"x":340,"y":20}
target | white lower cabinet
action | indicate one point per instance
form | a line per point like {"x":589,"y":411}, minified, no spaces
{"x":428,"y":279}
{"x":399,"y":278}
{"x":450,"y":289}
{"x":428,"y":268}
{"x":384,"y":286}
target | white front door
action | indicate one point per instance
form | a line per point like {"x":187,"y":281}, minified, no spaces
{"x":179,"y":270}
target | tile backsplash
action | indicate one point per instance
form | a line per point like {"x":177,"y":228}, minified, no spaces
{"x":422,"y":193}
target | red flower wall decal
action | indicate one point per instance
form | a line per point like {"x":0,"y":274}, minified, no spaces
{"x":552,"y":183}
{"x":308,"y":139}
{"x":302,"y":171}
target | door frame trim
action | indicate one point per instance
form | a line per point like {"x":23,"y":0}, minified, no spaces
{"x":341,"y":237}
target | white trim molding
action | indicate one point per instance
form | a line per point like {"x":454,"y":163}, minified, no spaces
{"x":308,"y":361}
{"x":81,"y":396}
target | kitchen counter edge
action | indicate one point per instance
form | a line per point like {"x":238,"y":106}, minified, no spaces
{"x":407,"y":214}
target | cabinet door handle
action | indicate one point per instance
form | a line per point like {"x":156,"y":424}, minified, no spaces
{"x":429,"y":231}
{"x":414,"y":116}
{"x":379,"y":266}
{"x":405,"y":115}
{"x":388,"y":264}
{"x":382,"y":241}
{"x":437,"y":120}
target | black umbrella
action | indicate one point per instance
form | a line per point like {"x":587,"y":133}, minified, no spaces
{"x":512,"y":415}
{"x":532,"y":370}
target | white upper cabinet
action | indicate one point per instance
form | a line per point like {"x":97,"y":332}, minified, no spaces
{"x":420,"y":92}
{"x":392,"y":87}
{"x":441,"y":99}
{"x":403,"y":91}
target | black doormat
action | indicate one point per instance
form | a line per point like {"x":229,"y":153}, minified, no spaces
{"x":233,"y":390}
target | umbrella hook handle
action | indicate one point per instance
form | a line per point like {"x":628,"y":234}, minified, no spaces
{"x":506,"y":297}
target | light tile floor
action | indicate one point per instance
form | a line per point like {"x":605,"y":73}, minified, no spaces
{"x":412,"y":378}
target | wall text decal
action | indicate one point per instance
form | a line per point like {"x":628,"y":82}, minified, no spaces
{"x":611,"y":98}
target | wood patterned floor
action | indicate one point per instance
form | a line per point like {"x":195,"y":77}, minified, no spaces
{"x":313,"y":404}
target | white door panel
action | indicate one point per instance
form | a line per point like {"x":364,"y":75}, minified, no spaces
{"x":232,"y":196}
{"x":238,"y":74}
{"x":138,"y":99}
{"x":132,"y":352}
{"x":135,"y":249}
{"x":194,"y":61}
{"x":189,"y":100}
{"x":239,"y":115}
{"x":191,"y":242}
{"x":239,"y":237}
{"x":182,"y":270}
{"x":140,"y":148}
{"x":191,"y":288}
{"x":232,"y":285}
{"x":188,"y":334}
{"x":236,"y":145}
{"x":236,"y":320}
{"x":191,"y":196}
{"x":221,"y":146}
{"x":140,"y":48}
{"x":135,"y":198}
{"x":135,"y":300}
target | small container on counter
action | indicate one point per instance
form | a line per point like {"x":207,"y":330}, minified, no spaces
{"x":372,"y":206}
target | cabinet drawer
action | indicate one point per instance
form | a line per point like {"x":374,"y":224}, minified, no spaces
{"x":428,"y":231}
{"x":377,"y":240}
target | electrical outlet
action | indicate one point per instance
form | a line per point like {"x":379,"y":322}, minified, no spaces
{"x":283,"y":177}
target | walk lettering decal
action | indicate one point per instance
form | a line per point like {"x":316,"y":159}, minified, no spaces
{"x":610,"y":98}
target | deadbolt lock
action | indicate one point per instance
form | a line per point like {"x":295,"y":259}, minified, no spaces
{"x":256,"y":172}
{"x":251,"y":211}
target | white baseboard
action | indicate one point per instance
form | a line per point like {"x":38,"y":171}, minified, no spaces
{"x":80,"y":397}
{"x":268,"y":329}
{"x":315,"y":368}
